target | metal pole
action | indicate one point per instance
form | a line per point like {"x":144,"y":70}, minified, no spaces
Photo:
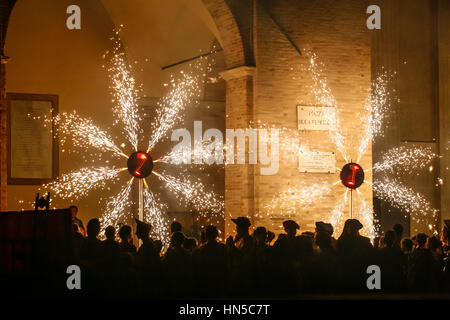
{"x":351,"y":203}
{"x":141,"y":200}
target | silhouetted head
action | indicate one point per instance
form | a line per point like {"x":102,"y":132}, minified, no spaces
{"x":352,"y":227}
{"x":177,"y":239}
{"x":389,"y":238}
{"x":175,"y":227}
{"x":110,"y":232}
{"x":406,"y":245}
{"x":142,"y":229}
{"x":281,"y":237}
{"x":376,"y":242}
{"x":190,"y":244}
{"x":398,"y":229}
{"x":270,"y":236}
{"x":73,"y":211}
{"x":158,"y":245}
{"x":324,"y":227}
{"x":433,"y":243}
{"x":260,"y":235}
{"x":323,"y":240}
{"x":242,"y":225}
{"x":93,"y":228}
{"x":203,"y":238}
{"x":421,"y":239}
{"x":125,"y":233}
{"x":291,"y":227}
{"x":211,"y":233}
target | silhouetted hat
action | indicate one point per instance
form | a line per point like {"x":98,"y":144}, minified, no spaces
{"x":242,"y":221}
{"x":324,"y":227}
{"x":142,"y":227}
{"x":290,"y":224}
{"x":356,"y":224}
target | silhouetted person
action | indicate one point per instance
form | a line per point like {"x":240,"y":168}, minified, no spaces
{"x":328,"y":229}
{"x":392,"y":264}
{"x":147,"y":261}
{"x":262,"y":261}
{"x":270,"y":237}
{"x":158,"y":246}
{"x":241,"y":258}
{"x":323,"y":270}
{"x":111,"y":248}
{"x":77,"y":242}
{"x":354,"y":252}
{"x":211,"y":266}
{"x":128,"y":276}
{"x":175,"y":227}
{"x":189,"y":244}
{"x":90,"y":255}
{"x":398,"y":229}
{"x":77,"y":221}
{"x":126,"y":240}
{"x":91,"y":247}
{"x":406,"y":246}
{"x":420,"y":269}
{"x":291,"y":227}
{"x":435,"y":246}
{"x":351,"y":242}
{"x":110,"y":259}
{"x":178,"y":270}
{"x":286,"y":256}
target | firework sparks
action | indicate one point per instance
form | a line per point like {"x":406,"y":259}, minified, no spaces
{"x":125,"y":94}
{"x":291,"y":200}
{"x":75,"y":185}
{"x":338,"y":215}
{"x":193,"y":191}
{"x":182,"y":93}
{"x":154,"y":209}
{"x":324,"y":97}
{"x":405,"y":159}
{"x":376,"y":108}
{"x":84,"y":134}
{"x":396,"y":160}
{"x":405,"y":198}
{"x":116,"y":206}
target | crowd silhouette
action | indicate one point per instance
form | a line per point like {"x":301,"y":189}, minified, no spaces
{"x":257,"y":265}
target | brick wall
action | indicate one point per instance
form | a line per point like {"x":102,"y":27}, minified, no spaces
{"x":334,"y":30}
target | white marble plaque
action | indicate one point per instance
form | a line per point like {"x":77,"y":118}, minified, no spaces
{"x":317,"y":162}
{"x":31,"y":148}
{"x":312,"y":118}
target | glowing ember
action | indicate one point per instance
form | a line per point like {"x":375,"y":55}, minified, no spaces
{"x":352,"y":175}
{"x":140,"y":165}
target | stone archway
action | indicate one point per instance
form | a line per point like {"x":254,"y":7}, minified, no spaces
{"x":239,"y":179}
{"x":231,"y":39}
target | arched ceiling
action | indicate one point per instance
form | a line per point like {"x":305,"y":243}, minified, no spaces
{"x":158,"y":33}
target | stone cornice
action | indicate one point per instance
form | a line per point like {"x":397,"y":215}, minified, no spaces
{"x":238,"y":72}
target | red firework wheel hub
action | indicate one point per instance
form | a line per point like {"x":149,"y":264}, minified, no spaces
{"x":140,"y":164}
{"x":352,"y":175}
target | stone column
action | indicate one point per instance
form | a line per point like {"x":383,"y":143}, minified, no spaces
{"x":239,"y":178}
